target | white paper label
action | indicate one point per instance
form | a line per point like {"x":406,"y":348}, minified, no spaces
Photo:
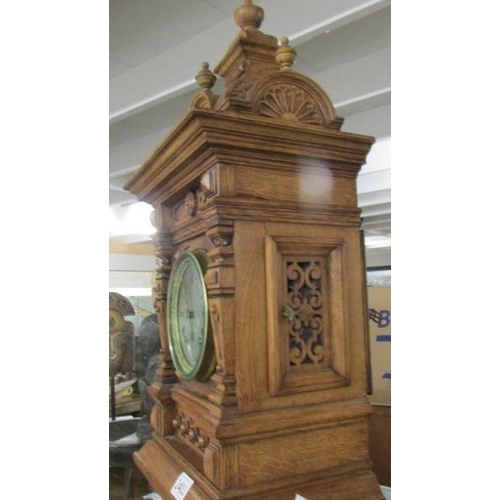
{"x":299,"y":497}
{"x":181,"y":486}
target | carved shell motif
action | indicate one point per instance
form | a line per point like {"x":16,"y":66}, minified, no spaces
{"x":289,"y":103}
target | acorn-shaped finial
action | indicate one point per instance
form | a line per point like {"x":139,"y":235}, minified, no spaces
{"x":205,"y":78}
{"x":285,"y":55}
{"x":249,"y":16}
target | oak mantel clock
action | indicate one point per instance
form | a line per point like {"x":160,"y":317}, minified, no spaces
{"x":260,"y":295}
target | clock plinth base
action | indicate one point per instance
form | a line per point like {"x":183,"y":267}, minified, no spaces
{"x":162,"y":461}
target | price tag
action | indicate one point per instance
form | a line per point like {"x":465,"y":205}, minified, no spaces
{"x":181,"y":486}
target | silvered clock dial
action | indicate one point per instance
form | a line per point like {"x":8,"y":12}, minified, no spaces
{"x":190,"y":343}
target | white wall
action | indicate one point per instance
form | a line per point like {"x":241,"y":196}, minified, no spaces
{"x":131,"y":262}
{"x":377,"y":257}
{"x":131,"y":274}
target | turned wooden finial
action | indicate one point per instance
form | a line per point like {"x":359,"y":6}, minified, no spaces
{"x":249,"y":16}
{"x":285,"y":55}
{"x":205,"y":78}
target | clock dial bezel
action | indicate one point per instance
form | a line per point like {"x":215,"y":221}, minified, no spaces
{"x":204,"y":364}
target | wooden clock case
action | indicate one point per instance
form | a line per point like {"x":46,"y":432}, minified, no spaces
{"x":264,"y":180}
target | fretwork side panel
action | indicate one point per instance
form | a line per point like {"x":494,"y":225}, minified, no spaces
{"x":307,"y":332}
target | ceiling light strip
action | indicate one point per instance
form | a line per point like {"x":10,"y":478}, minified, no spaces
{"x":152,"y":101}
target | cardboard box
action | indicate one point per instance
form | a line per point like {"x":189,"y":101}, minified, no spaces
{"x":379,"y":314}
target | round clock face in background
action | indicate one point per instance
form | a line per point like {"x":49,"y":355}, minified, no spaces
{"x":187,"y":317}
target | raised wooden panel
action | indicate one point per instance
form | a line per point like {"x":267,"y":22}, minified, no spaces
{"x":305,"y":310}
{"x":272,"y":380}
{"x":302,"y":453}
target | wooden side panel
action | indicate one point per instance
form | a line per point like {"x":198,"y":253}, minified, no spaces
{"x":302,"y":453}
{"x":305,"y":314}
{"x":265,"y":378}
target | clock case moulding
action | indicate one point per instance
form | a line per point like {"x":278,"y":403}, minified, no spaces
{"x":263,"y":179}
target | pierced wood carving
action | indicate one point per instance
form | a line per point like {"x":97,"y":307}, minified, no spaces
{"x":305,"y":297}
{"x":305,"y":304}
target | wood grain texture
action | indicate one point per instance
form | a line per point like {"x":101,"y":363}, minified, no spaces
{"x":263,"y":179}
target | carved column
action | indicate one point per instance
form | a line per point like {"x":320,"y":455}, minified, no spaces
{"x":163,"y":411}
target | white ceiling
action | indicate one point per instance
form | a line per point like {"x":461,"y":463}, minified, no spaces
{"x":156,"y":49}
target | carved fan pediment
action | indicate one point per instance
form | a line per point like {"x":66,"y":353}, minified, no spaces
{"x":289,"y":103}
{"x":294,"y":97}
